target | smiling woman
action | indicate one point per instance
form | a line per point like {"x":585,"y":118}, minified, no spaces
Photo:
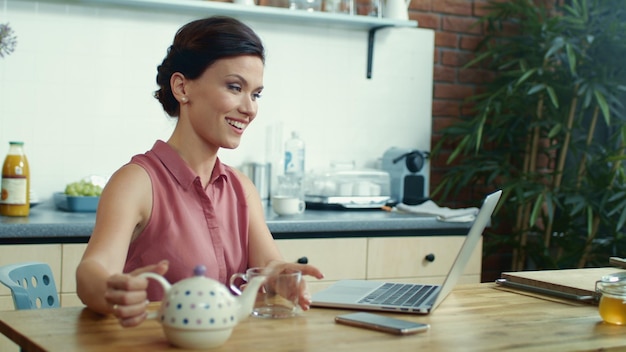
{"x":178,"y":206}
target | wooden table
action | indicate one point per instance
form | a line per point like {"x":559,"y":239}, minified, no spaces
{"x":480,"y":317}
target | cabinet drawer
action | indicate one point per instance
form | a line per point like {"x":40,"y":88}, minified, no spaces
{"x":337,"y":258}
{"x":72,"y":254}
{"x":405,"y":257}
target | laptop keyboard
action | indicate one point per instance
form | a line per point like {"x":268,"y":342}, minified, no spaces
{"x":404,"y":295}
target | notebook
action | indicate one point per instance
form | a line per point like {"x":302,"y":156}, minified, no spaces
{"x":406,"y":297}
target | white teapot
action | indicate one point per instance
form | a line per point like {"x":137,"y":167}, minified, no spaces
{"x":200,"y":312}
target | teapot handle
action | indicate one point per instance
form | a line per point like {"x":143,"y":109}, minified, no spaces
{"x":233,"y":279}
{"x":160,"y":279}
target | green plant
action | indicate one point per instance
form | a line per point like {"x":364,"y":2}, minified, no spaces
{"x":7,"y":40}
{"x":549,"y":130}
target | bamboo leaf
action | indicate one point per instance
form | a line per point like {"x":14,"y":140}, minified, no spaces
{"x":616,"y":158}
{"x":571,"y":58}
{"x":603,"y":106}
{"x":617,"y":195}
{"x":479,"y":58}
{"x":458,"y":149}
{"x":536,"y":88}
{"x":555,"y":130}
{"x":557,"y":44}
{"x":553,"y":98}
{"x":536,"y":209}
{"x":621,"y":221}
{"x":589,"y":221}
{"x":525,"y":76}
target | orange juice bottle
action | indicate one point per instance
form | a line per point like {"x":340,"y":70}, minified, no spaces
{"x":15,"y":182}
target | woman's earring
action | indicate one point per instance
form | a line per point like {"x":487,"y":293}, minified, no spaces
{"x":184,"y":99}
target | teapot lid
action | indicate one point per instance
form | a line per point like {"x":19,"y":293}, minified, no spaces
{"x":199,"y":270}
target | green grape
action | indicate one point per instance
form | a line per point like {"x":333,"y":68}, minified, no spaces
{"x":83,"y":188}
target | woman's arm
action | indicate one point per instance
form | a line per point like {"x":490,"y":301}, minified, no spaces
{"x":262,"y":250}
{"x":123,"y":210}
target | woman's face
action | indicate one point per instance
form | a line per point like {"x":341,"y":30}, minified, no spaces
{"x":223,"y":101}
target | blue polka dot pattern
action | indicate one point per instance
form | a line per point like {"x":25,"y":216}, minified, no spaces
{"x":193,"y":306}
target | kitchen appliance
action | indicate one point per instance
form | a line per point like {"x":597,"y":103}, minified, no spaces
{"x":347,"y":188}
{"x":408,"y":173}
{"x":260,"y":174}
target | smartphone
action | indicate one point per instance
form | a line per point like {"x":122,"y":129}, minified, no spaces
{"x":381,"y":323}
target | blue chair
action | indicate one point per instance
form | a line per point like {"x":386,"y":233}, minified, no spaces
{"x":32,"y":285}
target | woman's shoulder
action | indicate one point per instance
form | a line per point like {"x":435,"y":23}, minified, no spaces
{"x":129,"y":174}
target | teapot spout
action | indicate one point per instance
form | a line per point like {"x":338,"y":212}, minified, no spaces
{"x":248,"y":296}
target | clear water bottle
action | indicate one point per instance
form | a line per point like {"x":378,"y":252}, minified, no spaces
{"x":294,"y":156}
{"x":15,"y":182}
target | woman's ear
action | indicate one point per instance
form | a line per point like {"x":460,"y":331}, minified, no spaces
{"x":177,"y":83}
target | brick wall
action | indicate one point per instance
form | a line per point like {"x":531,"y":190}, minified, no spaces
{"x":456,"y":38}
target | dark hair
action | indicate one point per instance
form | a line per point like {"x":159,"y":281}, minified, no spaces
{"x":197,"y":45}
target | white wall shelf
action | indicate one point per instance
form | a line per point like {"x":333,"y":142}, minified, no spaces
{"x":267,"y":13}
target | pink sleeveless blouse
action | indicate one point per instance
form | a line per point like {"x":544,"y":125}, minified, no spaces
{"x":189,"y":225}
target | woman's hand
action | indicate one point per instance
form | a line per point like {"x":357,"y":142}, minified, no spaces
{"x":309,"y":270}
{"x":126,"y":293}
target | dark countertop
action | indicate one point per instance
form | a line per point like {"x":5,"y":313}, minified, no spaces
{"x":46,"y":224}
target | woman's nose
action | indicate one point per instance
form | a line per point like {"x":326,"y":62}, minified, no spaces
{"x":248,"y":106}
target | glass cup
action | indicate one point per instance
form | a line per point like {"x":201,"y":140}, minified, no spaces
{"x":288,"y":198}
{"x":279,"y":295}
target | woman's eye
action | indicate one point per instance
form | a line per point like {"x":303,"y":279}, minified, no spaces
{"x":257,"y":95}
{"x":234,"y":87}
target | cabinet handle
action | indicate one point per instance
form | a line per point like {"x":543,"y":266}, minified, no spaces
{"x":430,"y":257}
{"x":303,"y":260}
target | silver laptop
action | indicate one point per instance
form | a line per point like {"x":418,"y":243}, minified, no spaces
{"x":407,"y":297}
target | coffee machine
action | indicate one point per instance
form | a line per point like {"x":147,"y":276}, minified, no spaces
{"x":409,"y":179}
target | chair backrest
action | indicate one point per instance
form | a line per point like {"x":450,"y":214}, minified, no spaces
{"x":32,"y":285}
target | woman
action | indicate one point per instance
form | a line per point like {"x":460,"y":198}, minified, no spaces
{"x":177,"y":205}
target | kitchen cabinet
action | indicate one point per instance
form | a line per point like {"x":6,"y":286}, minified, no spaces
{"x":423,"y":259}
{"x":72,"y":253}
{"x":420,"y":258}
{"x":337,"y":258}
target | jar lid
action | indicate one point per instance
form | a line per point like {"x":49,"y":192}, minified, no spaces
{"x":615,"y":278}
{"x":613,"y":284}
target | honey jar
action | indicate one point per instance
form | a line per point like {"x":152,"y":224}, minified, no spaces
{"x":612,"y":293}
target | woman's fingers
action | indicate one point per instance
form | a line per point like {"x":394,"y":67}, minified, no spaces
{"x":304,"y":301}
{"x":131,"y":315}
{"x":306,"y":269}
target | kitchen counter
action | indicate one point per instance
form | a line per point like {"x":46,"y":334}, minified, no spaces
{"x":46,"y":224}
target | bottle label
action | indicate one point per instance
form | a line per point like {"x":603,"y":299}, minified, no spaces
{"x":294,"y":162}
{"x":14,"y":191}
